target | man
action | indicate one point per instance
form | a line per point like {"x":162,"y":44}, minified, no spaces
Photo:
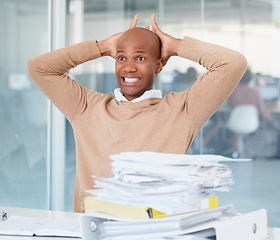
{"x":244,"y":94}
{"x":136,"y":118}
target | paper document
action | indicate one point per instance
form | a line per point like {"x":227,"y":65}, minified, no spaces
{"x":27,"y":226}
{"x":170,"y":158}
{"x":169,"y":183}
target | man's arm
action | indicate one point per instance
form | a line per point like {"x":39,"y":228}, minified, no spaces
{"x":225,"y":69}
{"x":48,"y":72}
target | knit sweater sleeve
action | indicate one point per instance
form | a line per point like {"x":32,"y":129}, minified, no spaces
{"x":48,"y":73}
{"x":225,"y":69}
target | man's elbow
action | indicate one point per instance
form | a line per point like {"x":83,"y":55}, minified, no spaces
{"x":239,"y":65}
{"x":33,"y":67}
{"x":30,"y":65}
{"x":239,"y":59}
{"x":243,"y":63}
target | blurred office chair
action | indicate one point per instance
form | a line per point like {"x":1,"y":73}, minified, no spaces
{"x":243,"y":120}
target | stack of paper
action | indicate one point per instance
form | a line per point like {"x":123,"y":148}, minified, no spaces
{"x":169,"y":183}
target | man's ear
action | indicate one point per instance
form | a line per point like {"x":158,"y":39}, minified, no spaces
{"x":159,"y":66}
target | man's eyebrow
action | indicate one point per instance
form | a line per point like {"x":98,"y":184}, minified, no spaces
{"x":138,"y":51}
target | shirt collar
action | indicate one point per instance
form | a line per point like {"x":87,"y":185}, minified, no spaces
{"x":148,"y":94}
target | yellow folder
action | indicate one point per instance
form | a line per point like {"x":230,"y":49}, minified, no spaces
{"x":137,"y":212}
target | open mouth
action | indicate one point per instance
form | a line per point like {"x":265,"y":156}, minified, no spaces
{"x":130,"y":80}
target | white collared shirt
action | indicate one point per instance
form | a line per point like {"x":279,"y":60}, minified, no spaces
{"x":148,"y":94}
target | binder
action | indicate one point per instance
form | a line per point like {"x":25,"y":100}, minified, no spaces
{"x":139,"y":212}
{"x":251,"y":226}
{"x":248,"y":226}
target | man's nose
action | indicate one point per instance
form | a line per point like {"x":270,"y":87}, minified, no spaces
{"x":130,"y":66}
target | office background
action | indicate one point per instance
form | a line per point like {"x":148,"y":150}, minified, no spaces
{"x":37,"y":150}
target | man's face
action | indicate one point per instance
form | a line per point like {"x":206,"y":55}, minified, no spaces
{"x":137,"y":62}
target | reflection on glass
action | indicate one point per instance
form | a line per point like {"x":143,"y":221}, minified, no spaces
{"x":23,"y":108}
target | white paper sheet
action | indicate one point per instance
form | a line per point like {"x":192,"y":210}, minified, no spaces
{"x":27,"y":226}
{"x":165,"y":182}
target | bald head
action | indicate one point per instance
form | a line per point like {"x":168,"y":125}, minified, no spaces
{"x":141,"y":35}
{"x":138,"y":61}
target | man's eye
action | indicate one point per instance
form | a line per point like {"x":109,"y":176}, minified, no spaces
{"x":121,"y":58}
{"x":140,"y":58}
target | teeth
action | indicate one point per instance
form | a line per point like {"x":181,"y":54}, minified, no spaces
{"x":130,"y":80}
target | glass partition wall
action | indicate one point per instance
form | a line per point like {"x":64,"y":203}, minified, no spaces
{"x":248,"y":26}
{"x":23,"y":108}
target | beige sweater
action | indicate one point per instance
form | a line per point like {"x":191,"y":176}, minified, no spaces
{"x":103,"y":126}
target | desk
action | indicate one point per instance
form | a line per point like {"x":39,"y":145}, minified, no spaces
{"x":274,"y":233}
{"x":35,"y":213}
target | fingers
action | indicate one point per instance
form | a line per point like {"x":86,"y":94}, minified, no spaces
{"x":155,"y":27}
{"x":135,"y":20}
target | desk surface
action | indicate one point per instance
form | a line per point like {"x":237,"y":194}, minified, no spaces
{"x":35,"y":213}
{"x":274,"y":233}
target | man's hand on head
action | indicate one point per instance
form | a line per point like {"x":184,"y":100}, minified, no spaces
{"x":169,"y":44}
{"x":107,"y":46}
